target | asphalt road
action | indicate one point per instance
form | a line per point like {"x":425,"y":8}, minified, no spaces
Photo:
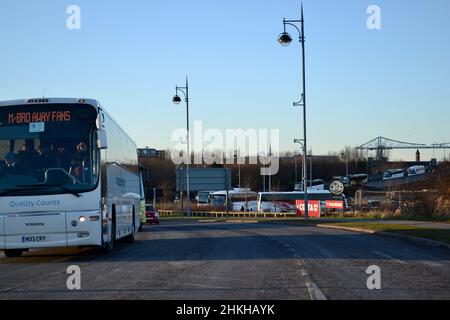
{"x":185,"y":261}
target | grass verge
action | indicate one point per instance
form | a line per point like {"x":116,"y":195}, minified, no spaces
{"x":442,"y":235}
{"x":358,"y":223}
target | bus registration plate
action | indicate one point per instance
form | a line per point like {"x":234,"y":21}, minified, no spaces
{"x":33,"y":239}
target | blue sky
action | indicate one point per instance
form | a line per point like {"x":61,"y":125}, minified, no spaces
{"x":130,"y":55}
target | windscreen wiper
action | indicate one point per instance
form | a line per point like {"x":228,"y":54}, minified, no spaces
{"x":76,"y":194}
{"x":46,"y":186}
{"x":4,"y":193}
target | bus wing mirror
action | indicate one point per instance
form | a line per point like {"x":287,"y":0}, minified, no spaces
{"x":102,"y":141}
{"x":100,"y":121}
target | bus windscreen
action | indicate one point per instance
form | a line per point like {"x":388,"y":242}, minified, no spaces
{"x":47,"y":149}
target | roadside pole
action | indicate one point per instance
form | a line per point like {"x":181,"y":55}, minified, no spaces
{"x":181,"y":193}
{"x":226,"y":189}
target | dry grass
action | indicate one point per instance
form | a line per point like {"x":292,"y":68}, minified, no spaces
{"x":427,"y":233}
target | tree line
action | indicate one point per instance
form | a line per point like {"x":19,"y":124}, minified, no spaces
{"x":162,"y":171}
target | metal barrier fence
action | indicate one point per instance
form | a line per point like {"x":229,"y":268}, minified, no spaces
{"x":199,"y":214}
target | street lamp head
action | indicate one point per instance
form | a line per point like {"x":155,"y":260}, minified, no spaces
{"x":285,"y":39}
{"x":176,"y":99}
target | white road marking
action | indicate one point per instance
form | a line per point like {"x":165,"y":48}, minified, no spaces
{"x":386,"y":256}
{"x":432,"y":264}
{"x":314,"y":292}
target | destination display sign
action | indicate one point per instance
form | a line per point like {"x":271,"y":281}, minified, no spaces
{"x":42,"y":117}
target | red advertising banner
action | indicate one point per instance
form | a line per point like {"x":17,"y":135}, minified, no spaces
{"x":313,"y":208}
{"x":335,"y":204}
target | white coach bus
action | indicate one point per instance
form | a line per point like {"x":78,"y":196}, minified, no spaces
{"x":239,"y":199}
{"x":69,"y":177}
{"x":394,"y":174}
{"x":417,"y":171}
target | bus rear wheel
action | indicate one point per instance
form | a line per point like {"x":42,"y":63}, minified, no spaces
{"x":13,"y":253}
{"x":132,"y":237}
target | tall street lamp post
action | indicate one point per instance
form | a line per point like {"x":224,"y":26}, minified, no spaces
{"x":236,"y":157}
{"x":285,"y":39}
{"x":301,"y":143}
{"x":177,"y":100}
{"x":346,"y":158}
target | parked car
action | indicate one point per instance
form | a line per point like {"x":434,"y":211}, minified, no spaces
{"x":151,"y":214}
{"x":373,"y":204}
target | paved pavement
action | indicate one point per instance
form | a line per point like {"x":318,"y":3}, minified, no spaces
{"x":181,"y":260}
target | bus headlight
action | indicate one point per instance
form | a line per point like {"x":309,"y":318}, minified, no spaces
{"x":82,"y":219}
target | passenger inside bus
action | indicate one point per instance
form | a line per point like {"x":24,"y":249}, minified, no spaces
{"x":28,"y":166}
{"x":25,"y":158}
{"x":64,"y":158}
{"x":80,"y":162}
{"x":9,"y":165}
{"x":45,"y":159}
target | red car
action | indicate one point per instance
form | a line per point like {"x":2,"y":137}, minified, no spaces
{"x":151,"y":214}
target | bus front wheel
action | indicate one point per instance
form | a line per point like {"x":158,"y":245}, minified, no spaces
{"x":107,"y":248}
{"x":13,"y":253}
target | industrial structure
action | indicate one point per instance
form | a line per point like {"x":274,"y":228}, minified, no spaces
{"x":381,"y":145}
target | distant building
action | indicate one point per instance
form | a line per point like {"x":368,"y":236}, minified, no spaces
{"x":324,"y":158}
{"x":314,"y":158}
{"x":151,"y":153}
